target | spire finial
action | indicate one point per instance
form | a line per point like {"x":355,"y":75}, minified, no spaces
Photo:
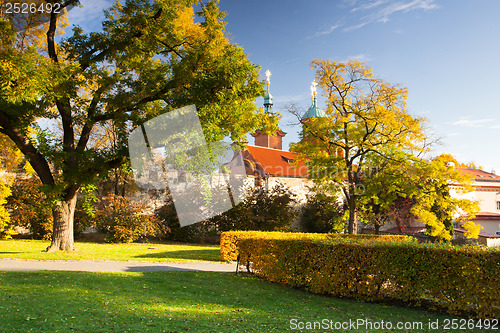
{"x":314,"y":84}
{"x":268,"y":79}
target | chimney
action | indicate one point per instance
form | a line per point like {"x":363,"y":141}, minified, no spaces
{"x":269,"y":141}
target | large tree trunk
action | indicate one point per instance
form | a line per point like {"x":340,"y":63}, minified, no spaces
{"x":353,"y":221}
{"x":62,"y":235}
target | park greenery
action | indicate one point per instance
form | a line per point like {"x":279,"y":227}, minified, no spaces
{"x":68,"y":102}
{"x":155,"y":56}
{"x":149,"y":58}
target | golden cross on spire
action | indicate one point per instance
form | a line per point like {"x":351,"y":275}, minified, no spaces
{"x":314,"y":84}
{"x":268,"y":77}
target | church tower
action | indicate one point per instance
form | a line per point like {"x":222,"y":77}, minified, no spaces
{"x":314,"y":110}
{"x":261,"y":138}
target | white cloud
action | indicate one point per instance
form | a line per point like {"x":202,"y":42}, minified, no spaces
{"x":382,"y":10}
{"x":324,"y":31}
{"x":361,"y":57}
{"x":467,"y":122}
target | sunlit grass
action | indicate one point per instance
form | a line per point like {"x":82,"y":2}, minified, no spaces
{"x":33,"y":249}
{"x":173,"y":302}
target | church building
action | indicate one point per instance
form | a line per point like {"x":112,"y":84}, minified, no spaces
{"x":266,"y":161}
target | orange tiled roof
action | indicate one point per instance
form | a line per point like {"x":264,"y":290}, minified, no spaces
{"x":487,"y":216}
{"x":480,"y":175}
{"x":277,"y":162}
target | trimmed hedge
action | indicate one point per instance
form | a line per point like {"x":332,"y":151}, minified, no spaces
{"x":462,"y":281}
{"x":229,"y":239}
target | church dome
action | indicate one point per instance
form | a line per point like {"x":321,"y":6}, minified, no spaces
{"x":268,"y":98}
{"x":314,"y":111}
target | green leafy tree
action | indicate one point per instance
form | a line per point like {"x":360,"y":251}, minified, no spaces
{"x":364,"y":117}
{"x":403,"y":190}
{"x":149,"y":58}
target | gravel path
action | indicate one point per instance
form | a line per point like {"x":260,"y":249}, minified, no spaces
{"x":113,"y":266}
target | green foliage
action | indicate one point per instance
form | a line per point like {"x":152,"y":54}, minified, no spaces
{"x":150,"y":57}
{"x":405,"y":188}
{"x":260,"y":210}
{"x":462,"y":281}
{"x":322,"y":213}
{"x":123,"y":220}
{"x":167,"y":217}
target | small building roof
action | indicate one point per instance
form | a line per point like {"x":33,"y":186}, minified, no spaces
{"x":480,"y":175}
{"x":276,"y":162}
{"x":487,"y":216}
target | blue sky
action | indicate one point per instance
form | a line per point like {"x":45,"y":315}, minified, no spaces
{"x":446,"y":52}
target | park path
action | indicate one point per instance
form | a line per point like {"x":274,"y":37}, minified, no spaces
{"x":113,"y":266}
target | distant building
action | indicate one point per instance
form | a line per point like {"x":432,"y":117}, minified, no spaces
{"x":487,"y":193}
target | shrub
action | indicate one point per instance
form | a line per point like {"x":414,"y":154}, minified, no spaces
{"x":30,"y":207}
{"x":322,"y":214}
{"x":260,"y":210}
{"x":167,"y":217}
{"x":124,"y":221}
{"x":229,"y":240}
{"x":462,"y":281}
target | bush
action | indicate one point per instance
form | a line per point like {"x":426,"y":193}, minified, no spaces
{"x":30,"y":207}
{"x":123,"y":220}
{"x":462,"y":281}
{"x":229,"y":240}
{"x":167,"y":217}
{"x":322,"y":214}
{"x":259,"y":210}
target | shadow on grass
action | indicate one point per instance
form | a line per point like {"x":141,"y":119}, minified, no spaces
{"x":173,"y":301}
{"x":202,"y":254}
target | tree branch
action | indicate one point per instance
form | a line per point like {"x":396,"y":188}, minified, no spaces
{"x":36,"y":159}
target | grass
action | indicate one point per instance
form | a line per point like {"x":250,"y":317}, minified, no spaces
{"x":174,"y":252}
{"x":176,"y":302}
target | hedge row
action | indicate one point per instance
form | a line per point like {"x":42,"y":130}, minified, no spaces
{"x":229,"y":249}
{"x":461,"y":281}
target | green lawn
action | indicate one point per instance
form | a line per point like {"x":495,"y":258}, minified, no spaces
{"x":33,"y":249}
{"x":177,"y":302}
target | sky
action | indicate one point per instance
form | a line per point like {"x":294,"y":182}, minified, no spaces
{"x":446,"y":52}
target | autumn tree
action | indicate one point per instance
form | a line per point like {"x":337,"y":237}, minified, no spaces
{"x":448,"y":158}
{"x":404,"y":190}
{"x":364,"y":116}
{"x":10,"y":159}
{"x":150,"y":57}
